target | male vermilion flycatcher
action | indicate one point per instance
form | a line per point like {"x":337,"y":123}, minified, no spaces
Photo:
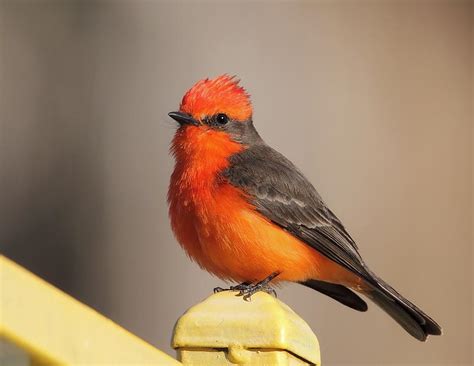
{"x":245,"y":213}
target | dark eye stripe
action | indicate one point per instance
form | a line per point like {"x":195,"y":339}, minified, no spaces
{"x":217,"y":120}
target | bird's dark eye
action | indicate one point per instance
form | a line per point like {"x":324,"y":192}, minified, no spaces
{"x":222,"y":119}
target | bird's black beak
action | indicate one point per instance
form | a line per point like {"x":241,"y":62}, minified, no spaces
{"x":183,"y":118}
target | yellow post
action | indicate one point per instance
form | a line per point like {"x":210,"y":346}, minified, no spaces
{"x":225,"y":330}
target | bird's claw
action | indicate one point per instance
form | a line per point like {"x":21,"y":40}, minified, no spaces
{"x":239,"y":287}
{"x":251,"y":290}
{"x":247,"y":289}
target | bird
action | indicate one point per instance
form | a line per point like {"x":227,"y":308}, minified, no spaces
{"x":247,"y":214}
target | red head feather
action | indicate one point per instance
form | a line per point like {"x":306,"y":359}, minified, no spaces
{"x":220,"y":95}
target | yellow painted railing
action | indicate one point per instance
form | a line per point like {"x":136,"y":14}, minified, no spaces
{"x":40,"y":325}
{"x":55,"y":329}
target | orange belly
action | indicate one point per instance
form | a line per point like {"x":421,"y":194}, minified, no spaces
{"x":225,"y":235}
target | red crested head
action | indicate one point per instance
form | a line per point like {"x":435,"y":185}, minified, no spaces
{"x":223,"y":94}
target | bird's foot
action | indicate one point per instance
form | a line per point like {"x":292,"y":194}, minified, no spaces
{"x":247,"y":290}
{"x":239,"y":287}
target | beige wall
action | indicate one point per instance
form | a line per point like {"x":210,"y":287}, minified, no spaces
{"x":373,"y":100}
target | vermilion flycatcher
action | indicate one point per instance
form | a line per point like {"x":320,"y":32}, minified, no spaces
{"x":245,"y":213}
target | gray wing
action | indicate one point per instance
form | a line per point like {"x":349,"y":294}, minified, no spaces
{"x":281,"y":193}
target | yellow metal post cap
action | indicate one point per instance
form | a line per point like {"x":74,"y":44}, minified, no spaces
{"x":225,"y":321}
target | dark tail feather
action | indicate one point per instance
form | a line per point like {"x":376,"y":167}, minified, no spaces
{"x":410,"y":317}
{"x":338,"y":293}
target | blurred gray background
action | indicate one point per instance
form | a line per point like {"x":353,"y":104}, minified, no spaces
{"x":372,"y":100}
